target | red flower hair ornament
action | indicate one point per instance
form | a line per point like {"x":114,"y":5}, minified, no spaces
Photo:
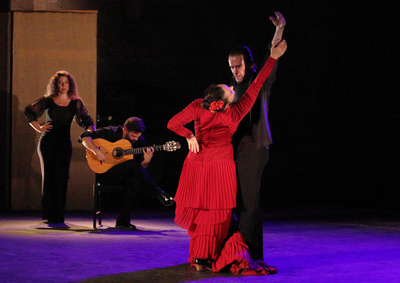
{"x":216,"y":105}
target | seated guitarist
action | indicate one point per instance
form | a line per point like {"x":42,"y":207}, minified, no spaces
{"x":131,"y":173}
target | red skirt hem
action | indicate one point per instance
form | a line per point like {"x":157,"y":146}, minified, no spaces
{"x":235,"y":254}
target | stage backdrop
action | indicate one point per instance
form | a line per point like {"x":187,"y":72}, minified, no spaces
{"x":43,"y":43}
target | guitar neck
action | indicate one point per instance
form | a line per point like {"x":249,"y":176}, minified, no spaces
{"x":139,"y":150}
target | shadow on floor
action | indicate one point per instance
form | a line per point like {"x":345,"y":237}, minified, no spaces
{"x":171,"y":274}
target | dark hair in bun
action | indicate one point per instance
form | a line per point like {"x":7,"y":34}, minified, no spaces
{"x":211,"y":94}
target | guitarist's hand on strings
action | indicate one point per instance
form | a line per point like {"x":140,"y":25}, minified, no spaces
{"x":101,"y":156}
{"x":88,"y":143}
{"x":193,"y":144}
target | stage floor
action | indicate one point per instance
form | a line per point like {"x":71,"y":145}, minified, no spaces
{"x":318,"y":244}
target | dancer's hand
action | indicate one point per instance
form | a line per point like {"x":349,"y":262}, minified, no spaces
{"x":279,"y":49}
{"x":193,"y":144}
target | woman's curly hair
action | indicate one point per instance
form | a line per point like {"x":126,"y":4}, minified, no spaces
{"x":52,"y":85}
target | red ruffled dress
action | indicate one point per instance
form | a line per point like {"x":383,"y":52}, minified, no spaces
{"x":206,"y":192}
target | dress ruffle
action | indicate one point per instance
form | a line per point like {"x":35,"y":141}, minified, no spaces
{"x":185,"y":217}
{"x":207,"y":230}
{"x":205,"y":247}
{"x":235,"y":254}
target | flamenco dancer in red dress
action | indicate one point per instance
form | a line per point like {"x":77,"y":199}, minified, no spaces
{"x":207,"y":187}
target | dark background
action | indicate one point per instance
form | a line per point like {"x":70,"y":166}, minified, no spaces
{"x":334,"y":106}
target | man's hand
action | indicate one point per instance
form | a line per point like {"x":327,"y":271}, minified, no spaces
{"x":88,"y":143}
{"x":280,"y":24}
{"x":279,"y":21}
{"x":148,"y":154}
{"x":101,"y":156}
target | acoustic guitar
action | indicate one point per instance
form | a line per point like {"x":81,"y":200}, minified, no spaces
{"x":120,"y":151}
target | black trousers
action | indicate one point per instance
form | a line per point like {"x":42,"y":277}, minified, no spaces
{"x":250,"y":163}
{"x":55,"y":152}
{"x":137,"y":181}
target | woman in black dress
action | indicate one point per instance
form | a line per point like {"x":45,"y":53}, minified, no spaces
{"x":61,"y":104}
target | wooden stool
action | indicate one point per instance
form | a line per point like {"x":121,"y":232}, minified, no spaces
{"x":97,"y":192}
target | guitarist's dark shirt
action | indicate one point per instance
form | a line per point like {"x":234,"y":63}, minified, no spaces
{"x":113,"y":134}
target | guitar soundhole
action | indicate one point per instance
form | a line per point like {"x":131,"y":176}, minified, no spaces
{"x":118,"y":152}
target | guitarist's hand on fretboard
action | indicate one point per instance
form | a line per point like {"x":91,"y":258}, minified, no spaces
{"x":147,"y":155}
